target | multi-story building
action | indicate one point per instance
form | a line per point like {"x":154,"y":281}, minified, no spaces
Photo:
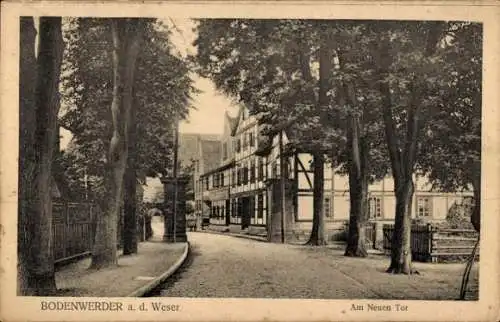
{"x":241,"y":191}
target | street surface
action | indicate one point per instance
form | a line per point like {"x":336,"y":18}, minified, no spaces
{"x":224,"y":266}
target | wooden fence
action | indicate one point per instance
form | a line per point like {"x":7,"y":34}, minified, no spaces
{"x":429,"y":243}
{"x":73,"y":230}
{"x":451,"y":244}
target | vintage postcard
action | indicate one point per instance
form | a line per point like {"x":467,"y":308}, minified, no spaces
{"x":249,"y":161}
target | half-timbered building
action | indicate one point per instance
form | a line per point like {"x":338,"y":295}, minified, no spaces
{"x":241,"y":191}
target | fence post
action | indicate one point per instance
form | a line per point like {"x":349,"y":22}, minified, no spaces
{"x":90,"y":242}
{"x":430,"y":242}
{"x":66,"y":228}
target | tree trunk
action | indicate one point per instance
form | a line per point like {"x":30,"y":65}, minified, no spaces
{"x":27,"y":121}
{"x":50,"y":49}
{"x":401,"y":237}
{"x":358,"y":192}
{"x":127,"y":34}
{"x":402,"y":157}
{"x":130,"y":196}
{"x":318,"y":228}
{"x":476,"y":212}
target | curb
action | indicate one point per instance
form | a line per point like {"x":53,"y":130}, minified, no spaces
{"x":256,"y":238}
{"x":160,"y":279}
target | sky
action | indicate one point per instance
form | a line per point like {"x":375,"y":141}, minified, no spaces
{"x":210,"y":106}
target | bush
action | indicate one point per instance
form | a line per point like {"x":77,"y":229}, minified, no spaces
{"x":458,"y":216}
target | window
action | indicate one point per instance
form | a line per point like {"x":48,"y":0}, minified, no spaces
{"x":206,"y":183}
{"x":260,"y":206}
{"x":274,"y":170}
{"x":261,"y":170}
{"x":423,"y":207}
{"x":327,"y":207}
{"x":238,"y":145}
{"x":261,"y":209}
{"x":252,"y":171}
{"x":245,"y":141}
{"x":375,"y":207}
{"x":217,"y":212}
{"x":235,"y":211}
{"x":233,"y":208}
{"x":233,"y":177}
{"x":245,"y":175}
{"x":251,"y":139}
{"x":222,"y":179}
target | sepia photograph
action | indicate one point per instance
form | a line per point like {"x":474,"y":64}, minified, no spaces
{"x":166,"y":157}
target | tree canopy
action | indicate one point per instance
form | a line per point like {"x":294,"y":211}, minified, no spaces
{"x":162,"y":94}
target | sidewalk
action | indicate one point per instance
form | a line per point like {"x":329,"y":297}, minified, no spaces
{"x":436,"y":281}
{"x":134,"y":276}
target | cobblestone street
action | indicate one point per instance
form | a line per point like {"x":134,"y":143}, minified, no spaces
{"x":224,"y":266}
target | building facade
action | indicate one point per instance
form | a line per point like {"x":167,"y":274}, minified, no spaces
{"x":241,"y":191}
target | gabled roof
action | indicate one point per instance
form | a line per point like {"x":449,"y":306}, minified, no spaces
{"x":188,"y":145}
{"x":234,"y":121}
{"x":210,"y":154}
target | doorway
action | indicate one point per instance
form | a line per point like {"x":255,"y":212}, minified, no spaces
{"x":228,"y":212}
{"x":246,"y":212}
